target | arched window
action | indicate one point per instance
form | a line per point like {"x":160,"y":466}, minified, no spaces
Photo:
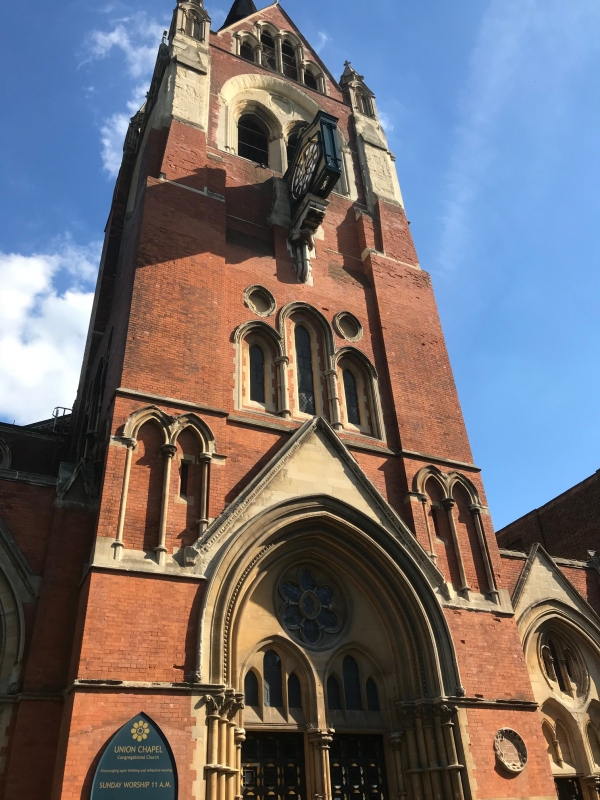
{"x":351,"y":392}
{"x":306,"y":389}
{"x":294,"y":691}
{"x":293,"y":141}
{"x":352,"y":684}
{"x":272,"y":680}
{"x":594,"y":741}
{"x":288,"y":57}
{"x":334,"y":696}
{"x":268,"y":51}
{"x":365,"y":104}
{"x":193,"y":27}
{"x":257,"y":374}
{"x":310,"y":80}
{"x":247,"y":51}
{"x":253,"y":139}
{"x":251,"y":689}
{"x":372,"y":695}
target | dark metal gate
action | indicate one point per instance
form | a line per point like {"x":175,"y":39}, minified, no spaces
{"x":357,"y":764}
{"x":273,"y":766}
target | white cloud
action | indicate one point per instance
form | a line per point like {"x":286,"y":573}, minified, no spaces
{"x":386,"y":120}
{"x":521,"y":44}
{"x":137,"y":38}
{"x":324,"y":38}
{"x":43,"y":328}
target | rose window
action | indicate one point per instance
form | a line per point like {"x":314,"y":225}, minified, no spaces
{"x":308,"y":609}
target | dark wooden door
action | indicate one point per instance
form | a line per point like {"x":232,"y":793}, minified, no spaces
{"x":357,"y":764}
{"x":273,"y":766}
{"x":568,"y":788}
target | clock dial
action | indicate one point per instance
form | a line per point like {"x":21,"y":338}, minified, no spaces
{"x":305,"y":168}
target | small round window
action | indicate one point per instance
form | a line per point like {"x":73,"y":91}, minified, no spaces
{"x":260,"y":301}
{"x":348,"y":326}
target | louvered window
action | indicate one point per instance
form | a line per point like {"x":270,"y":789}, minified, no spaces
{"x":257,"y":374}
{"x":253,"y":139}
{"x":268,"y":51}
{"x":306,"y":389}
{"x":247,"y":51}
{"x":288,"y":57}
{"x":351,"y":393}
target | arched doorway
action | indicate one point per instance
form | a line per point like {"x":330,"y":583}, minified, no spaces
{"x":332,"y":639}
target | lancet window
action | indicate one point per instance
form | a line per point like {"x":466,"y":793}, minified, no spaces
{"x":304,"y":371}
{"x":247,"y":51}
{"x":269,"y":58}
{"x":288,"y":59}
{"x":358,"y":394}
{"x":253,"y":139}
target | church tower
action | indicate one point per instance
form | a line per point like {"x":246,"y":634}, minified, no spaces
{"x":276,"y":561}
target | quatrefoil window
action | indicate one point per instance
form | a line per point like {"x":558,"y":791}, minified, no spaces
{"x":308,"y":609}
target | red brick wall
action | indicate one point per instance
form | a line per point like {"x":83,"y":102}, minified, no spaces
{"x":93,"y":718}
{"x":153,"y":625}
{"x":566,"y":527}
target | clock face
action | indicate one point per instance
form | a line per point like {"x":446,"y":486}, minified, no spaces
{"x":305,"y":168}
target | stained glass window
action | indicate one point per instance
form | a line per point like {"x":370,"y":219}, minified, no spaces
{"x":306,"y":389}
{"x":272,"y":674}
{"x":257,"y":374}
{"x":294,"y":691}
{"x":372,"y":695}
{"x":352,"y":684}
{"x":334,"y":696}
{"x":251,"y":689}
{"x":351,"y":393}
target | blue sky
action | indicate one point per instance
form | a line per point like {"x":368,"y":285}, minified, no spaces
{"x":491,"y":108}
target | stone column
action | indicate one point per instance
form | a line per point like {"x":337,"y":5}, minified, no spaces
{"x":213,"y":705}
{"x":423,"y":499}
{"x":240,"y":738}
{"x":446,"y":715}
{"x":433,"y":765}
{"x":204,"y":460}
{"x":278,"y":53}
{"x":485,"y":553}
{"x":413,"y":767}
{"x":320,"y":741}
{"x":334,"y":399}
{"x":448,"y":503}
{"x":396,"y":740}
{"x":119,"y":545}
{"x":168,"y":451}
{"x":283,"y":399}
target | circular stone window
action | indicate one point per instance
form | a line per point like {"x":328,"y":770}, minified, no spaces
{"x":510,"y":749}
{"x":347,"y":326}
{"x":310,"y":606}
{"x":260,"y":301}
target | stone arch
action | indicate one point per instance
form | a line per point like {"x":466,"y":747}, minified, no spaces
{"x":199,"y":427}
{"x":12,"y":638}
{"x":318,"y":319}
{"x":280,"y":100}
{"x":143,"y":415}
{"x":257,"y":332}
{"x":399,"y":585}
{"x":368,"y":385}
{"x":5,"y":455}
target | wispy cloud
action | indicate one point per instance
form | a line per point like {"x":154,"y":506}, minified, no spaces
{"x":525,"y":52}
{"x":43,"y":329}
{"x":386,"y":120}
{"x":323,"y":39}
{"x":136,"y":38}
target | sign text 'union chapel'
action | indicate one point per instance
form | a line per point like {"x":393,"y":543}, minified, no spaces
{"x":137,"y":763}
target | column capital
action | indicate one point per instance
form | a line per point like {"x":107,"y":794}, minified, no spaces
{"x":168,"y":450}
{"x":448,"y":503}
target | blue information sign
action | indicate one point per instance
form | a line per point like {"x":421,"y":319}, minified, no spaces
{"x":137,"y":765}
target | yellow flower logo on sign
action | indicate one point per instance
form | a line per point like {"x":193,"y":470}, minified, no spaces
{"x":140,"y":730}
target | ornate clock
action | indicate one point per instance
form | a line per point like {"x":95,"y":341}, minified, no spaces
{"x":316,"y":165}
